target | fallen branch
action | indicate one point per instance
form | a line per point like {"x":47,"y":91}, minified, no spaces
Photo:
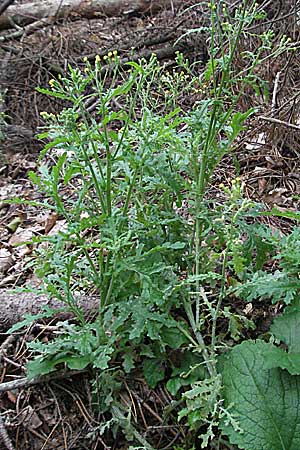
{"x":27,"y":30}
{"x":5,"y":5}
{"x":30,"y":12}
{"x":24,"y":382}
{"x":13,"y":307}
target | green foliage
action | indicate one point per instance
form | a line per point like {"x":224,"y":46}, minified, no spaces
{"x":153,"y":371}
{"x":277,"y":286}
{"x":76,"y":348}
{"x":130,"y":182}
{"x":286,"y":328}
{"x":188,"y":371}
{"x":30,"y":318}
{"x":282,"y":284}
{"x":264,"y":401}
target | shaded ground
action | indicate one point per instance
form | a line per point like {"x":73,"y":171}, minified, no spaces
{"x":62,"y":414}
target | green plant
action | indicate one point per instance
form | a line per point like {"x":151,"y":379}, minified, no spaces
{"x":262,"y":385}
{"x":131,"y":183}
{"x":283,"y":284}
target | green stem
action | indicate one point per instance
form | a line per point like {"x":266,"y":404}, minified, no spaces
{"x":208,"y":361}
{"x":201,"y":183}
{"x":219,"y":303}
{"x":92,"y":171}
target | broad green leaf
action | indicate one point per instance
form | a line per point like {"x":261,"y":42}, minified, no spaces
{"x":174,"y":246}
{"x":190,"y":370}
{"x":264,"y":402}
{"x":174,"y":384}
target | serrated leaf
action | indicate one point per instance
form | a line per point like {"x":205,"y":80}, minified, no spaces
{"x":173,"y":337}
{"x":266,"y":402}
{"x":53,"y":93}
{"x":286,"y":328}
{"x":30,"y":318}
{"x":77,"y":363}
{"x":128,"y":362}
{"x":40,"y":366}
{"x":277,"y":286}
{"x":278,"y":357}
{"x":237,"y":121}
{"x":153,"y":371}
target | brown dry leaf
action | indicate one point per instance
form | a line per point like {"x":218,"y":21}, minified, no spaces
{"x":256,"y":142}
{"x":48,"y":417}
{"x":11,"y":396}
{"x":30,"y":418}
{"x":61,"y":225}
{"x":262,"y":182}
{"x":50,"y":222}
{"x":275,"y":197}
{"x":6,"y":260}
{"x":248,"y":309}
{"x":21,"y":237}
{"x":19,"y":241}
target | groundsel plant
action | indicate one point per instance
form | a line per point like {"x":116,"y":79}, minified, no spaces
{"x":129,"y":177}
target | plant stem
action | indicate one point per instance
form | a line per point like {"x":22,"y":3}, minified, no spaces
{"x":208,"y":361}
{"x":219,"y":302}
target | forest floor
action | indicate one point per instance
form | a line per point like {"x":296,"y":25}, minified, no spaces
{"x":58,"y":414}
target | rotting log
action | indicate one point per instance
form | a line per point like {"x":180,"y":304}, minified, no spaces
{"x":13,"y":307}
{"x":30,"y":12}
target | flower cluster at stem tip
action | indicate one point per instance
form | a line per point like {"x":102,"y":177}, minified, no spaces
{"x":211,"y":6}
{"x":110,"y":56}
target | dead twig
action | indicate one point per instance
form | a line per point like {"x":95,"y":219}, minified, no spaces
{"x":275,"y":92}
{"x":4,"y":436}
{"x":27,"y":30}
{"x":24,"y":382}
{"x":280,"y":122}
